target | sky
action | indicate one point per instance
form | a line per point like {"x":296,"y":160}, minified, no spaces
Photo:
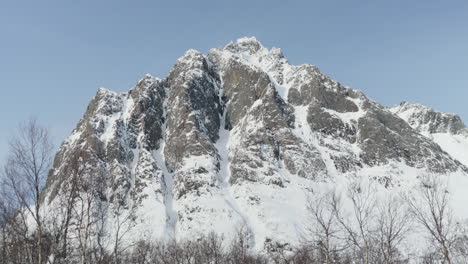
{"x":55,"y":54}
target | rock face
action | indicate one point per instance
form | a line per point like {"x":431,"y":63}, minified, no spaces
{"x":447,"y":130}
{"x":239,"y":137}
{"x":428,"y":121}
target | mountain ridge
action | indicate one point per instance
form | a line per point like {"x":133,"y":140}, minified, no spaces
{"x":239,"y":137}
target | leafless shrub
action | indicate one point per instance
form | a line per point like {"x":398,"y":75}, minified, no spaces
{"x":430,"y":208}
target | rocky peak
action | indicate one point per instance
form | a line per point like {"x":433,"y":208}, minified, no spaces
{"x":147,"y":81}
{"x":427,"y":120}
{"x":251,"y":46}
{"x":251,"y":52}
{"x":246,"y":44}
{"x":192,"y":59}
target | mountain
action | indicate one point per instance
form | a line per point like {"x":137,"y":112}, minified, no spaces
{"x":240,"y":137}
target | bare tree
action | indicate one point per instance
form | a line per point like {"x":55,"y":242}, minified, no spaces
{"x":89,"y":214}
{"x":460,"y":248}
{"x":358,"y":225}
{"x":240,"y":248}
{"x":64,"y":206}
{"x":124,"y":219}
{"x":12,"y":231}
{"x":212,"y":248}
{"x":25,"y":173}
{"x":430,"y":207}
{"x":84,"y":221}
{"x":393,"y":225}
{"x":326,"y":231}
{"x":100,"y":215}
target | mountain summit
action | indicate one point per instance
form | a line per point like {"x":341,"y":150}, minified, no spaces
{"x":240,"y":137}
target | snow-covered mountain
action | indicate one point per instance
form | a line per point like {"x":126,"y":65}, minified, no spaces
{"x":447,"y":130}
{"x":240,"y":137}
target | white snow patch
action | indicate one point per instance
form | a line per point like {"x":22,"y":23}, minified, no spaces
{"x":171,"y":215}
{"x":455,"y":145}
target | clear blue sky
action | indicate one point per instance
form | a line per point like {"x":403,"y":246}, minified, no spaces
{"x":55,"y":54}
